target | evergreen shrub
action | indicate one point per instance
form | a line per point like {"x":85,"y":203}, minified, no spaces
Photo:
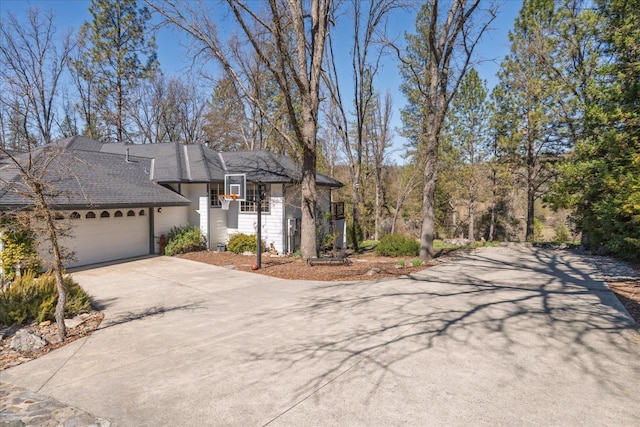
{"x":30,"y":298}
{"x":240,"y":243}
{"x":395,"y":245}
{"x":187,"y":238}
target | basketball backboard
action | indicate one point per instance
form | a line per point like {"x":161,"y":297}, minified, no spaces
{"x":236,"y":184}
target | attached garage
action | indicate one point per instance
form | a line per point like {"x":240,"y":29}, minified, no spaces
{"x":108,"y":234}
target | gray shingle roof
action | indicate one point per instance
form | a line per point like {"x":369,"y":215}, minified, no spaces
{"x":86,"y":171}
{"x":81,"y":178}
{"x":174,"y":162}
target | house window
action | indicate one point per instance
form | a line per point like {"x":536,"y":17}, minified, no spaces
{"x":118,"y":214}
{"x":141,"y":213}
{"x":90,"y":215}
{"x":105,"y":214}
{"x":131,"y":213}
{"x":252,"y":194}
{"x":74,"y":215}
{"x":217,"y":188}
{"x":337,"y":210}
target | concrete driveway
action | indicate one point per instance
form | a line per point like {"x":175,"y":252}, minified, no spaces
{"x":501,"y":336}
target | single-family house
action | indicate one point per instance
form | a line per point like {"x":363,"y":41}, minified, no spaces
{"x":123,"y":197}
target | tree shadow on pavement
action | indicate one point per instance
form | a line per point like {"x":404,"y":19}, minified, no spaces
{"x":533,"y":313}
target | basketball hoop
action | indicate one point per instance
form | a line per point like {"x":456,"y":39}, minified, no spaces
{"x":225,"y":200}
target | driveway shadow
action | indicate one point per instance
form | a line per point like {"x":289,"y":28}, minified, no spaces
{"x":534,"y":311}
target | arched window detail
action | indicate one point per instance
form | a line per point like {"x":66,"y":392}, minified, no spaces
{"x":118,"y":214}
{"x":141,"y":213}
{"x":105,"y":214}
{"x":131,"y":213}
{"x":90,"y":215}
{"x":74,"y":215}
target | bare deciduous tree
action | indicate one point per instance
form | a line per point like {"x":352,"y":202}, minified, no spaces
{"x":290,"y":43}
{"x":378,"y":137}
{"x":31,"y":65}
{"x":369,"y":18}
{"x":437,"y":59}
{"x":30,"y":178}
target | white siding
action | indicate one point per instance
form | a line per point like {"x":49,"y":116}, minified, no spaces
{"x":293,"y":211}
{"x":272,"y":222}
{"x":218,"y":227}
{"x":168,"y":218}
{"x":193,"y":192}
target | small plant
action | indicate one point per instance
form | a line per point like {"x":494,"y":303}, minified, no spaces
{"x":395,"y":245}
{"x":562,"y":233}
{"x":297,"y":254}
{"x":400,"y":263}
{"x":240,"y":243}
{"x":29,"y":298}
{"x":185,"y":239}
{"x":416,"y":262}
{"x":19,"y":251}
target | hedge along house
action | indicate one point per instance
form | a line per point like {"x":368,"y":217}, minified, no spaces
{"x":122,"y":198}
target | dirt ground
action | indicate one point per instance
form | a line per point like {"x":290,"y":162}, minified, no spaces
{"x":367,"y":266}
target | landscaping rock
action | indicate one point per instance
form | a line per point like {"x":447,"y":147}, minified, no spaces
{"x":24,"y":340}
{"x":73,"y":323}
{"x":373,"y":272}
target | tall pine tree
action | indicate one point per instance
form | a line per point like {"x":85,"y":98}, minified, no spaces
{"x":602,"y":180}
{"x":118,"y":38}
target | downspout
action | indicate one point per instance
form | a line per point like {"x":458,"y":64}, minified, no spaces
{"x":152,"y":242}
{"x":208,"y":236}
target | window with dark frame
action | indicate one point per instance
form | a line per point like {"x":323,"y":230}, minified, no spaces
{"x":216,"y":189}
{"x":252,"y":194}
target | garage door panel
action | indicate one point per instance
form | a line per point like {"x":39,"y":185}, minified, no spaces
{"x":106,"y":239}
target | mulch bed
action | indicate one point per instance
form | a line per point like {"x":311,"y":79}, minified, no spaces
{"x":629,"y":295}
{"x":360,"y":267}
{"x":49,"y":332}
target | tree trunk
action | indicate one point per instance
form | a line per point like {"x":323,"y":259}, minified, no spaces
{"x":376,"y":227}
{"x":57,"y":260}
{"x":472,"y":213}
{"x":428,"y":200}
{"x":492,"y":222}
{"x":355,"y":187}
{"x":309,"y":193}
{"x":530,"y":234}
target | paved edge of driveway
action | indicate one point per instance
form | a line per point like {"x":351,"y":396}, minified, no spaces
{"x":21,"y":407}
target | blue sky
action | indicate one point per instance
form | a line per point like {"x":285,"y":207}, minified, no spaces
{"x":70,"y":14}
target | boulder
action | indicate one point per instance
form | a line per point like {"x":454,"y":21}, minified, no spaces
{"x":24,"y":340}
{"x":373,"y":272}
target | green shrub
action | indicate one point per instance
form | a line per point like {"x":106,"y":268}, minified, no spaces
{"x":19,"y":247}
{"x":416,"y":262}
{"x":395,"y":245}
{"x":240,"y":243}
{"x":562,"y":233}
{"x":184,"y":239}
{"x":29,"y":298}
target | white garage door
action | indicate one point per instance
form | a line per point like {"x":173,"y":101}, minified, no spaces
{"x":108,"y":235}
